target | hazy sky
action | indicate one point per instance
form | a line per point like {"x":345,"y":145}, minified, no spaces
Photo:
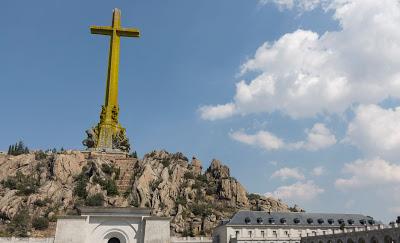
{"x":300,"y":98}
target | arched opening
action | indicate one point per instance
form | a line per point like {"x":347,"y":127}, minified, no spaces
{"x":339,"y":241}
{"x":320,"y":241}
{"x":350,"y":240}
{"x":361,"y":240}
{"x":329,"y":241}
{"x":114,"y":240}
{"x":388,"y":239}
{"x":374,"y":240}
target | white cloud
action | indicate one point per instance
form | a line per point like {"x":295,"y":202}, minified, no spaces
{"x":367,"y":173}
{"x":318,"y":171}
{"x":376,"y":131}
{"x":217,"y":112}
{"x":288,"y":173}
{"x":300,"y":191}
{"x":303,"y":74}
{"x":262,"y":139}
{"x":304,"y":5}
{"x":318,"y":137}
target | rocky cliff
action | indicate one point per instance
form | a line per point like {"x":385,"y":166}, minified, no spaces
{"x":44,"y":186}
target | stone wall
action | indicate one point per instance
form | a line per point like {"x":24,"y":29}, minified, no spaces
{"x":191,"y":240}
{"x":374,"y":234}
{"x":26,"y":240}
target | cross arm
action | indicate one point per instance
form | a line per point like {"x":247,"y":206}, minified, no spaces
{"x":101,"y":30}
{"x":128,"y":32}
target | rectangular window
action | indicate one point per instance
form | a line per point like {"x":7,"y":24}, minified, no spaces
{"x":274,"y":233}
{"x":262,"y":234}
{"x":250,"y":233}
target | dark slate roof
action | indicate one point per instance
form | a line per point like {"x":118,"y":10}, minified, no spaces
{"x":299,"y":219}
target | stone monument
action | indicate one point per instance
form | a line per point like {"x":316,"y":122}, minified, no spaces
{"x":109,"y":135}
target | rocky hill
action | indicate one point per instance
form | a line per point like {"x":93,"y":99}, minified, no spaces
{"x":37,"y":187}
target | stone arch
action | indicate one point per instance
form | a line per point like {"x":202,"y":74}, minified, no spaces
{"x":115,"y":237}
{"x":388,"y":239}
{"x":374,"y":240}
{"x":329,"y":241}
{"x":339,"y":241}
{"x":350,"y":240}
{"x":320,"y":241}
{"x":361,"y":240}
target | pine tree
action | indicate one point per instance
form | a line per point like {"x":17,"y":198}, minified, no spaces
{"x":9,"y":150}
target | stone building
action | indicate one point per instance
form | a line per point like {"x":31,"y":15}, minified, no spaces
{"x":368,"y":234}
{"x":113,"y":225}
{"x":284,"y":227}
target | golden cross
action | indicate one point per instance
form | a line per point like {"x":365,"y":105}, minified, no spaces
{"x":109,"y":134}
{"x":115,"y":31}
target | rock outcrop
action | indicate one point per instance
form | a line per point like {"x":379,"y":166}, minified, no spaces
{"x":55,"y":184}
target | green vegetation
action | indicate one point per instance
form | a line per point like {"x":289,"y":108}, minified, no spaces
{"x":40,"y":202}
{"x":40,"y":223}
{"x":133,"y":155}
{"x":253,"y":196}
{"x":18,"y":149}
{"x":110,"y":169}
{"x":188,"y":175}
{"x":40,"y":155}
{"x":181,"y":200}
{"x":95,"y":200}
{"x":107,"y":184}
{"x":24,"y":184}
{"x":80,"y":187}
{"x":155,"y":184}
{"x":201,"y":209}
{"x":165,"y":162}
{"x":19,"y":225}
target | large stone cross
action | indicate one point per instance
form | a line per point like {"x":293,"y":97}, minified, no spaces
{"x":109,"y":135}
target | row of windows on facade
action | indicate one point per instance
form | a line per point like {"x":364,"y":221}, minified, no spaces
{"x":247,"y":220}
{"x":274,"y":233}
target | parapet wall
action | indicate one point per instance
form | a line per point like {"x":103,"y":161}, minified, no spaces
{"x":25,"y":240}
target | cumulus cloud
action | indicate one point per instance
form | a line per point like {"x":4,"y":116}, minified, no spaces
{"x":217,"y":112}
{"x":318,"y":171}
{"x":262,"y":139}
{"x":299,"y":191}
{"x":303,"y":74}
{"x":366,"y":173}
{"x":376,"y":131}
{"x":304,"y":5}
{"x":288,"y":173}
{"x":318,"y":137}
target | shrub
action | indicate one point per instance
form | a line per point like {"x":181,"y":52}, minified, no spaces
{"x":40,"y":223}
{"x":203,"y":210}
{"x":202,"y":178}
{"x":109,"y":185}
{"x":155,"y":184}
{"x":95,"y":200}
{"x":80,"y":186}
{"x":40,"y":155}
{"x":107,"y":169}
{"x":188,"y":175}
{"x":181,"y":200}
{"x":19,"y":224}
{"x":211,"y":190}
{"x":165,"y":162}
{"x":40,"y":203}
{"x":25,"y":184}
{"x":253,"y":196}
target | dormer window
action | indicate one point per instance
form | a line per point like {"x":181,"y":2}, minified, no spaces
{"x":371,"y":222}
{"x":363,"y":221}
{"x":296,"y":220}
{"x":350,"y":221}
{"x":321,"y":221}
{"x":271,"y":220}
{"x":310,"y":220}
{"x":247,"y":220}
{"x":260,"y":220}
{"x":341,"y":221}
{"x":283,"y":221}
{"x":331,"y":221}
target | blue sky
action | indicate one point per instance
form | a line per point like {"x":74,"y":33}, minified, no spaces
{"x":298,"y":97}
